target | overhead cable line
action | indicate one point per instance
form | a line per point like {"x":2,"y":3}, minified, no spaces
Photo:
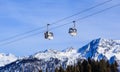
{"x":95,"y":13}
{"x":100,"y":4}
{"x":87,"y":16}
{"x":28,"y":32}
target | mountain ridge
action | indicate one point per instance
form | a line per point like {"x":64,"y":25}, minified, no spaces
{"x":97,"y":49}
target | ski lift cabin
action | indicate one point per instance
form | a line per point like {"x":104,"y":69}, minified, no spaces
{"x":48,"y":35}
{"x":73,"y":30}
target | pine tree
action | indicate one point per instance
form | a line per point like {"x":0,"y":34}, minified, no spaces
{"x":94,"y":66}
{"x":56,"y":70}
{"x":102,"y":66}
{"x":89,"y":60}
{"x":77,"y":68}
{"x":61,"y":69}
{"x":40,"y":71}
{"x":108,"y":66}
{"x":72,"y":68}
{"x":84,"y":64}
{"x":68,"y":69}
{"x":89,"y":67}
{"x":114,"y":67}
{"x":116,"y":64}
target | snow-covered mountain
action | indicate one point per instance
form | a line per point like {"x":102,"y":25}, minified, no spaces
{"x":68,"y":54}
{"x":7,"y":58}
{"x":97,"y":49}
{"x":101,"y":48}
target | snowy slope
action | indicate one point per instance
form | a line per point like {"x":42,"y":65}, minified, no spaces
{"x":96,"y":49}
{"x":101,"y":48}
{"x":6,"y":59}
{"x":69,"y":54}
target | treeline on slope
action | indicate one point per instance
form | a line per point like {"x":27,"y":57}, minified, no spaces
{"x":90,"y":66}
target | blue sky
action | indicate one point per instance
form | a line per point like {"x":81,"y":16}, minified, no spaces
{"x":20,"y":16}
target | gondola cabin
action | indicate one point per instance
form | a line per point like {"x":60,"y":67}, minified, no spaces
{"x":48,"y":35}
{"x":73,"y":31}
